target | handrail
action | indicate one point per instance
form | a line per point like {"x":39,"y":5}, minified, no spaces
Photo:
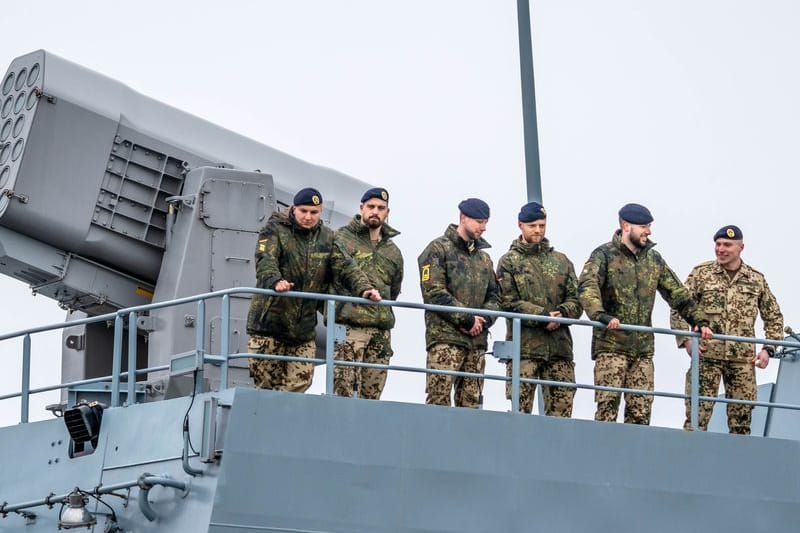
{"x":224,"y":358}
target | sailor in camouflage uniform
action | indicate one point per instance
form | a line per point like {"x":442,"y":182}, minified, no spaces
{"x":731,"y":293}
{"x":618,"y":285}
{"x":537,"y":280}
{"x":456,"y":271}
{"x":293,"y":253}
{"x":367,"y":239}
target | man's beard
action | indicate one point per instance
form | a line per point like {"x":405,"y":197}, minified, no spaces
{"x":374,"y":222}
{"x":471,"y":235}
{"x":637,"y":242}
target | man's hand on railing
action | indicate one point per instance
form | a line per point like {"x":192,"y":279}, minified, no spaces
{"x":283,"y":285}
{"x":705,"y":332}
{"x":372,"y":294}
{"x":553,"y":325}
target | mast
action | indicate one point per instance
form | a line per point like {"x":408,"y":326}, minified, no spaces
{"x":533,"y":176}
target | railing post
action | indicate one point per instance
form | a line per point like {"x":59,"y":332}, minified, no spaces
{"x":116,"y":362}
{"x":26,"y":380}
{"x":132,"y":329}
{"x":515,"y":364}
{"x":695,"y":402}
{"x":225,"y":340}
{"x":200,"y":342}
{"x":330,"y":337}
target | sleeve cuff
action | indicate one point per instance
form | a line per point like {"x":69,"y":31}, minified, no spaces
{"x":604,"y":318}
{"x":467,"y":322}
{"x":271,"y":282}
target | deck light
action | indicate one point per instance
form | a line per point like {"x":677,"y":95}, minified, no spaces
{"x":75,"y":513}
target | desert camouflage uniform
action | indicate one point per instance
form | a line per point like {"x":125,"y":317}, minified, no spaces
{"x":458,"y":274}
{"x":535,"y":279}
{"x":285,"y":250}
{"x":368,"y":326}
{"x":281,"y":375}
{"x":731,"y":306}
{"x":616,"y":283}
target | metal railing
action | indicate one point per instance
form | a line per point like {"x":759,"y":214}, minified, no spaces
{"x":225,"y":357}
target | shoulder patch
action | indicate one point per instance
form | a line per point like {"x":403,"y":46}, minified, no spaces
{"x":425,"y":272}
{"x":262,"y":245}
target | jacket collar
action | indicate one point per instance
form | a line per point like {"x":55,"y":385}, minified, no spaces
{"x":452,"y":234}
{"x":359,"y":228}
{"x":530,"y":248}
{"x":285,"y":218}
{"x":616,"y":240}
{"x":744,"y":270}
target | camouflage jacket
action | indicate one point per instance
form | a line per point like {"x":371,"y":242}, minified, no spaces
{"x":451,"y":274}
{"x":382,"y":263}
{"x":616,"y":283}
{"x":535,"y":279}
{"x":731,"y":306}
{"x":287,"y":251}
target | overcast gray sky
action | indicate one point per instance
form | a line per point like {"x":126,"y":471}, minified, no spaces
{"x":688,"y":107}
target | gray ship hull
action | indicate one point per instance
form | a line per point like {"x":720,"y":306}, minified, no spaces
{"x":291,"y":462}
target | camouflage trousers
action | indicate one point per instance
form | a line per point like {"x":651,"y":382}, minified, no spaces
{"x":557,"y":400}
{"x":362,"y":345}
{"x":467,"y":391}
{"x":618,"y":370}
{"x":281,"y":375}
{"x":740,"y":384}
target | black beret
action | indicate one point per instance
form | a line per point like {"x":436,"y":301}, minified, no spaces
{"x":474,"y":208}
{"x":531,"y":211}
{"x":375,"y":192}
{"x":635,"y":214}
{"x":307,"y":196}
{"x":728,"y":232}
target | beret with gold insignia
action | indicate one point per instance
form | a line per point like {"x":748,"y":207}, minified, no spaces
{"x":375,"y":192}
{"x":307,"y":196}
{"x":728,"y":232}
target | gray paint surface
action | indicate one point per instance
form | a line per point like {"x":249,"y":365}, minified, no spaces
{"x":333,"y":464}
{"x":293,"y":462}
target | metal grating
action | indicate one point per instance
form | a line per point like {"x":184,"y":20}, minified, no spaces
{"x":133,"y":196}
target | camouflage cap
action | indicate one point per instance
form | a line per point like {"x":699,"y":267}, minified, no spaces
{"x":728,"y":232}
{"x":307,"y":196}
